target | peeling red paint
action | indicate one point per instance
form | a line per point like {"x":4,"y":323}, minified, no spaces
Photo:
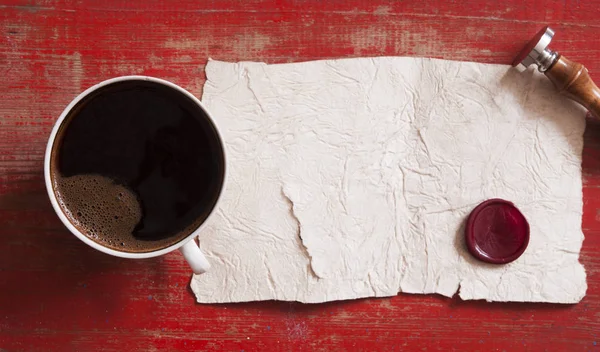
{"x":58,"y":294}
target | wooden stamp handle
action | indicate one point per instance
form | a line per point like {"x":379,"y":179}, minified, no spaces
{"x":572,"y":80}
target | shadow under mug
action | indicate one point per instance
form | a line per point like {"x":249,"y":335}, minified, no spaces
{"x":187,"y":245}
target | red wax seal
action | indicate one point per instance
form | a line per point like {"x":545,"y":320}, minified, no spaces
{"x":497,"y":232}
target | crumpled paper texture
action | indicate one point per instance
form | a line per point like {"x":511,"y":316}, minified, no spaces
{"x":353,"y":178}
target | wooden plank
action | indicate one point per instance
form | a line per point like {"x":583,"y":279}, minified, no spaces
{"x":58,"y":294}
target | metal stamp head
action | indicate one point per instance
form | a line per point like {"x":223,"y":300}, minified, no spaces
{"x":537,"y":52}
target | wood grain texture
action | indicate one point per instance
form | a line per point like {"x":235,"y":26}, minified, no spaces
{"x":58,"y":294}
{"x":573,"y":80}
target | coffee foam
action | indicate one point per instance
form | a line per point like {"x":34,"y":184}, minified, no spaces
{"x":102,"y":209}
{"x":105,"y":211}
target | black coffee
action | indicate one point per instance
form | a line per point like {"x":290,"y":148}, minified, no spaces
{"x":137,"y":166}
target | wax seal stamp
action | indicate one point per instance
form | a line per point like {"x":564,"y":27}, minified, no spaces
{"x":570,"y":78}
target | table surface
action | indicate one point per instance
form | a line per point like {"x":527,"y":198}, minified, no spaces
{"x":58,"y":294}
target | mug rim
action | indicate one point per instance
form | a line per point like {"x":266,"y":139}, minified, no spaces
{"x":50,"y":188}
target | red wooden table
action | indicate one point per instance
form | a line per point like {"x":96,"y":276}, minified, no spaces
{"x":58,"y":294}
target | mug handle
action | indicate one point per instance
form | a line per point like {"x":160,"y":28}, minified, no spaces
{"x":192,"y":254}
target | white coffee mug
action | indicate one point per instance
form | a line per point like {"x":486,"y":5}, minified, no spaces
{"x":188,"y":247}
